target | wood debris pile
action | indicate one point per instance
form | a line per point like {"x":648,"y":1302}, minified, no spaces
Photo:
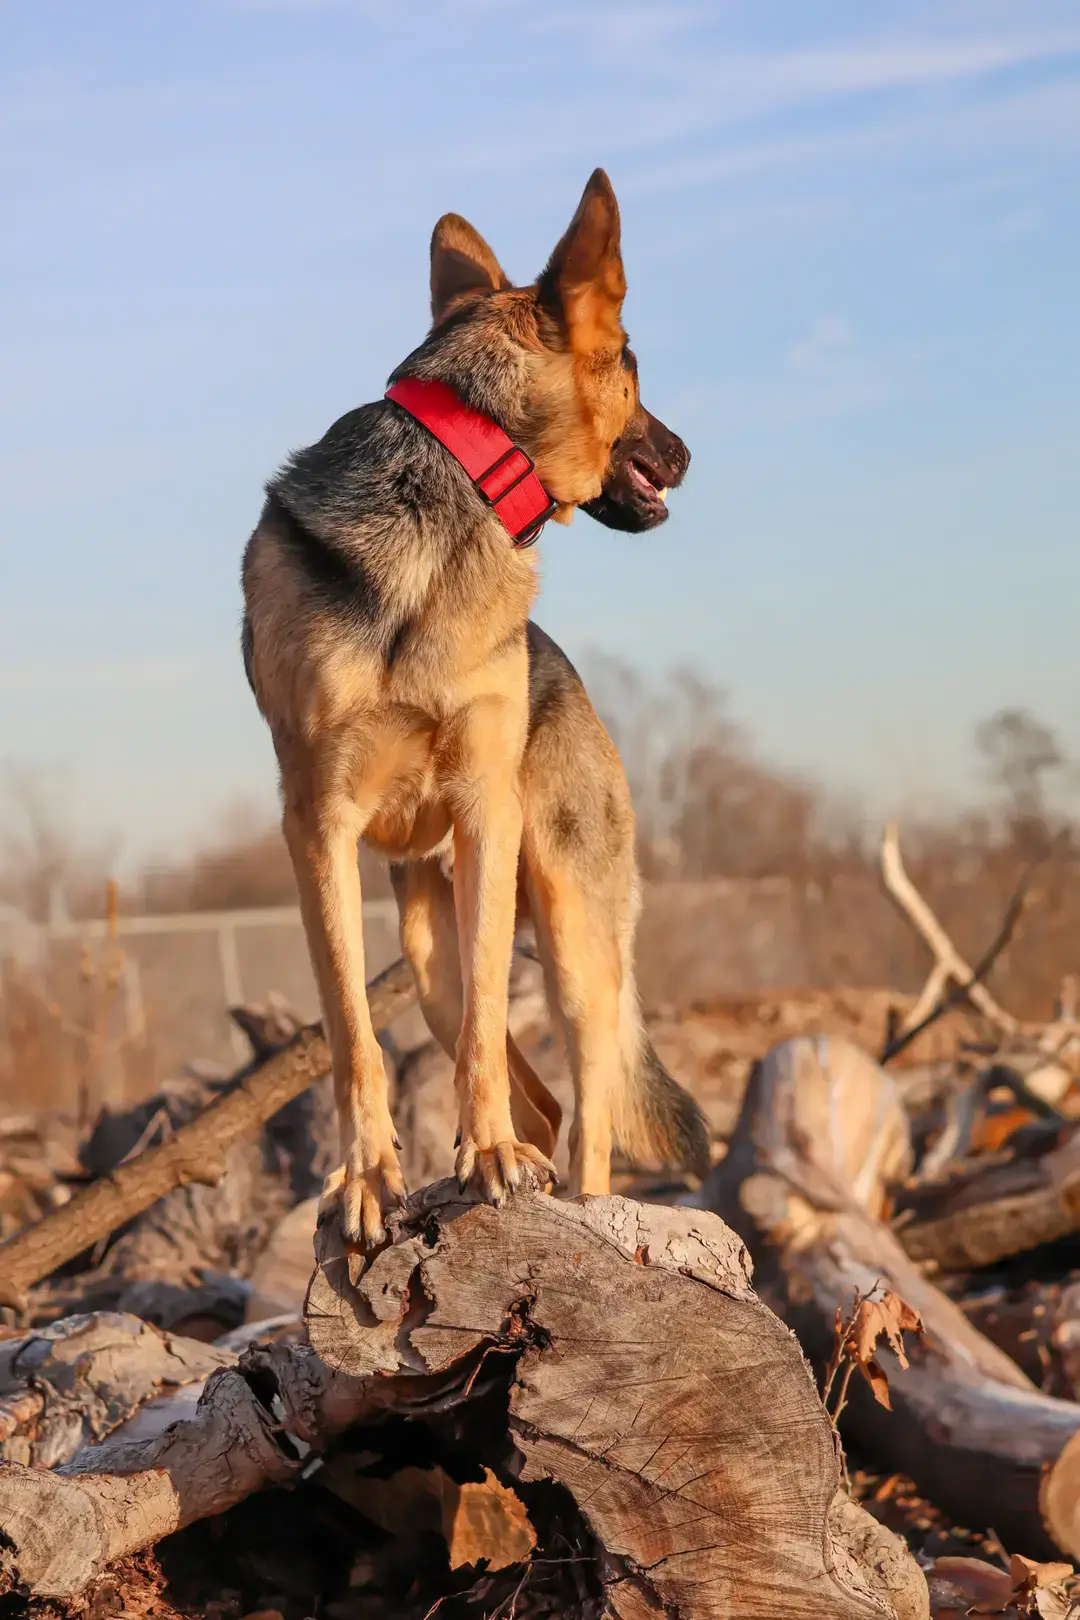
{"x":561,"y":1408}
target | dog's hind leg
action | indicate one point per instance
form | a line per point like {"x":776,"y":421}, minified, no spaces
{"x":482,"y":751}
{"x":429,"y":940}
{"x":322,"y":842}
{"x":583,"y":967}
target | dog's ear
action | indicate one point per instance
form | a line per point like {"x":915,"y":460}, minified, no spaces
{"x":461,"y":263}
{"x":584,"y":284}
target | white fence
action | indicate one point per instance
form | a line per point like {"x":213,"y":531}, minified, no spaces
{"x":176,"y":975}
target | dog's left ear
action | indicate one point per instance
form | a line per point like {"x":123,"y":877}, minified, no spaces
{"x":584,"y":284}
{"x":461,"y":263}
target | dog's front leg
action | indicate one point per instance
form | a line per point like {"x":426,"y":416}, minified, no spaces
{"x":323,"y":847}
{"x":487,"y":842}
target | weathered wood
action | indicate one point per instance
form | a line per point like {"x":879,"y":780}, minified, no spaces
{"x":649,"y":1382}
{"x":61,"y":1528}
{"x":966,"y":1425}
{"x":66,"y":1386}
{"x":986,"y":1211}
{"x":615,"y":1349}
{"x":195,"y":1153}
{"x":213,"y":1307}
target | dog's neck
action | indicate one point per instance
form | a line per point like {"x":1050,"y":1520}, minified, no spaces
{"x":497,"y":387}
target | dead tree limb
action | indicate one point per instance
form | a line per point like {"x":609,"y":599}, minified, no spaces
{"x":994,"y":1207}
{"x":196,"y":1153}
{"x":614,"y":1350}
{"x":966,"y":1424}
{"x":949,"y":965}
{"x":69,"y":1385}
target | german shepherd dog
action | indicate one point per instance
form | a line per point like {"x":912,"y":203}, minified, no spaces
{"x":414,"y":705}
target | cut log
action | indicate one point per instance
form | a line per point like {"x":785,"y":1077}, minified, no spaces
{"x":195,"y":1153}
{"x":967,"y":1426}
{"x":612,"y":1353}
{"x":984,"y":1212}
{"x":702,"y":1458}
{"x":66,"y":1386}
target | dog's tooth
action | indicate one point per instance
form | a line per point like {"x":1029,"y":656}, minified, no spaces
{"x":662,"y":494}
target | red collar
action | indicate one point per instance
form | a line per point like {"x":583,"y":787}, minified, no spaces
{"x":504,"y":476}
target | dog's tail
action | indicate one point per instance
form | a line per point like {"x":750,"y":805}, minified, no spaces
{"x":653,"y":1117}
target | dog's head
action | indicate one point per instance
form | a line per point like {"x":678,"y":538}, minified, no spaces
{"x":556,"y":357}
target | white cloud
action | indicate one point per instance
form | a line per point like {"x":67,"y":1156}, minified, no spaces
{"x":899,"y":64}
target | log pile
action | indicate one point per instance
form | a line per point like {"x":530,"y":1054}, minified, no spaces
{"x":840,"y":1378}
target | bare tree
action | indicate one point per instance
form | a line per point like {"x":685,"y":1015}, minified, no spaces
{"x":706,"y":805}
{"x":44,"y":859}
{"x":1019,"y":752}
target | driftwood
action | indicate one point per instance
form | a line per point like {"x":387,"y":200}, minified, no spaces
{"x":611,"y":1350}
{"x":66,"y":1386}
{"x":967,"y":1425}
{"x":995,"y":1207}
{"x":198,"y":1152}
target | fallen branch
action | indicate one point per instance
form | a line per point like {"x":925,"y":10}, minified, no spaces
{"x":987,"y":1211}
{"x":934,"y":999}
{"x":950,"y":996}
{"x":967,"y":1426}
{"x":195,"y":1153}
{"x":69,"y":1385}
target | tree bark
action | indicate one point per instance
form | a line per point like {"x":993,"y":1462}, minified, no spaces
{"x":66,"y":1386}
{"x":196,"y":1153}
{"x":612,"y":1351}
{"x":966,"y":1425}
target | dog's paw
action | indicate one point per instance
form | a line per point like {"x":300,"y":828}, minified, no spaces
{"x":504,"y":1168}
{"x":362,"y":1194}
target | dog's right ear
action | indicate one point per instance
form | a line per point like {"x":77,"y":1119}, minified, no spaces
{"x":584,"y":284}
{"x":461,"y":264}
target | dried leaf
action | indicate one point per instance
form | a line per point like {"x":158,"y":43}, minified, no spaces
{"x":886,"y":1318}
{"x":1041,"y":1589}
{"x":878,"y":1382}
{"x":967,"y":1585}
{"x":486,"y":1521}
{"x":1029,"y":1573}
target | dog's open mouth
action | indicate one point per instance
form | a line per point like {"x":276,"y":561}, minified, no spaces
{"x":646,"y":482}
{"x":645,"y":463}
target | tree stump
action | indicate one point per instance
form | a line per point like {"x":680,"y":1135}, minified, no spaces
{"x":642,"y":1376}
{"x":607,"y":1363}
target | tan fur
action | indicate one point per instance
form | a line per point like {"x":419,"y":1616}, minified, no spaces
{"x":427,"y":757}
{"x":578,"y":885}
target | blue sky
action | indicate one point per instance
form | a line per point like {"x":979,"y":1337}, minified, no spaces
{"x":852,"y":237}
